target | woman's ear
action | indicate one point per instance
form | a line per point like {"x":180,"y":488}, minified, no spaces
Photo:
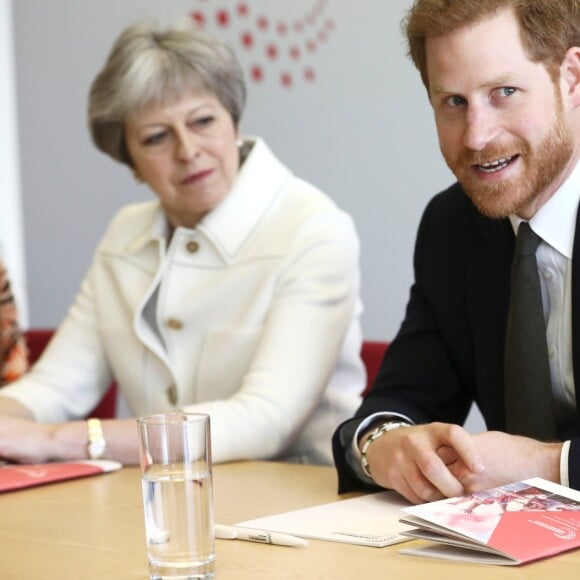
{"x":570,"y":77}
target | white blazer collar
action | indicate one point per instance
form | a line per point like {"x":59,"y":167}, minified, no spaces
{"x":261,"y":180}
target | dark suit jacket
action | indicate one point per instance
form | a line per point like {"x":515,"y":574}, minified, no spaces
{"x":449,"y":350}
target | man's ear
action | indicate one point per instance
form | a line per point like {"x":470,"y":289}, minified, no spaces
{"x":570,"y":77}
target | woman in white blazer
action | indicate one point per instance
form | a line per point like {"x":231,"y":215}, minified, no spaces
{"x":234,"y":293}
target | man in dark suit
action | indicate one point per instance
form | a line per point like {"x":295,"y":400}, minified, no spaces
{"x":503,"y":78}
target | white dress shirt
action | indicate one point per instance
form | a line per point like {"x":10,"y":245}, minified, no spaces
{"x":555,"y":223}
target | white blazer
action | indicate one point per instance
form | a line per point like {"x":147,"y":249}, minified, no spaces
{"x":252,"y":317}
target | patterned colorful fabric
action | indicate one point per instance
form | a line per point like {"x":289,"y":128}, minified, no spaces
{"x":13,"y":353}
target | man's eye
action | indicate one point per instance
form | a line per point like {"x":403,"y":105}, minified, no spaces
{"x":455,"y":101}
{"x":506,"y":91}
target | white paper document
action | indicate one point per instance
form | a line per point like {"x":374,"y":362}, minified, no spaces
{"x":369,"y":520}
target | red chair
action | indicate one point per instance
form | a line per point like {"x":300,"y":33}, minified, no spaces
{"x":36,"y":341}
{"x":372,"y":354}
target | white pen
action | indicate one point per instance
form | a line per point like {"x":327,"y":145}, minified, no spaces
{"x":262,"y":536}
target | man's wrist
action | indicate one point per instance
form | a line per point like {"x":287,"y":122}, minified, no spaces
{"x":371,"y":436}
{"x":552,"y":462}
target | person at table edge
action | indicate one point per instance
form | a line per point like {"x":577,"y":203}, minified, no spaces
{"x":13,"y":352}
{"x":235,"y":293}
{"x":503,"y":80}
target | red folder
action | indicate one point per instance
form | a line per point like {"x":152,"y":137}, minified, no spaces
{"x":19,"y":476}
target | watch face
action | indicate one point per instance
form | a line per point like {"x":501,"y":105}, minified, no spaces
{"x":97,"y":449}
{"x":97,"y":443}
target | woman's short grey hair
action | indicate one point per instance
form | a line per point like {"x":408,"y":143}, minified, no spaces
{"x":148,"y":66}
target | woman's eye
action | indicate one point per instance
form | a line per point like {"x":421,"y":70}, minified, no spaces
{"x":155,"y":139}
{"x":204,"y":121}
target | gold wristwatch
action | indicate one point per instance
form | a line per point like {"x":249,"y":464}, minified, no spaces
{"x":97,"y":443}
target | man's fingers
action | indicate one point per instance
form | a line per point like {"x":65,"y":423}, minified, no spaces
{"x":426,"y":473}
{"x":447,"y":454}
{"x":402,"y":487}
{"x":421,"y":487}
{"x":437,"y":473}
{"x":421,"y":462}
{"x":407,"y":492}
{"x":464,"y":445}
{"x":411,"y":484}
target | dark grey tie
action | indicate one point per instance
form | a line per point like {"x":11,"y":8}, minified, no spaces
{"x":528,"y":392}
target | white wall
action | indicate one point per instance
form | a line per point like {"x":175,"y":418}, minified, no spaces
{"x":362,"y":131}
{"x":11,"y":237}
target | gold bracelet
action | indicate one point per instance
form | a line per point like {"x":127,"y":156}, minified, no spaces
{"x":374,"y":435}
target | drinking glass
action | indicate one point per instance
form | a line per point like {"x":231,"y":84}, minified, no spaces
{"x":176,"y":477}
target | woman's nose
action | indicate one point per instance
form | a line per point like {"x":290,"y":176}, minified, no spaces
{"x":187,"y":147}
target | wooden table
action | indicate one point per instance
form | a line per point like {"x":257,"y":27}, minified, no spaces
{"x":93,"y":529}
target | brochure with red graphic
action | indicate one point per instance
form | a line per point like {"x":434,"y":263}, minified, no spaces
{"x":512,"y":524}
{"x":18,"y":476}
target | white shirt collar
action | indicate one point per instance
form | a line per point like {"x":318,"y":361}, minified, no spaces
{"x":555,"y":221}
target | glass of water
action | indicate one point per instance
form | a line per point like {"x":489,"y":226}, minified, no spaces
{"x":175,"y":454}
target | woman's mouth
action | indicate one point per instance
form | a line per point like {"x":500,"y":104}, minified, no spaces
{"x":195,"y":177}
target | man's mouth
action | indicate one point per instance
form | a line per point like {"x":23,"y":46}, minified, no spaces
{"x":497,"y":165}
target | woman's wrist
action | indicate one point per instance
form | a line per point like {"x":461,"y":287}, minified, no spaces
{"x":67,"y":441}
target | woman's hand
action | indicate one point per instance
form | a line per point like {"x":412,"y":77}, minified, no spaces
{"x":26,"y":441}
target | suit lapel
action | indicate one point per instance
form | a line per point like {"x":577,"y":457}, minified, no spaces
{"x":488,"y":291}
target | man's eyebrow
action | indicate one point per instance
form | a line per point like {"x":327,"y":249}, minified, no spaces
{"x":504,"y":80}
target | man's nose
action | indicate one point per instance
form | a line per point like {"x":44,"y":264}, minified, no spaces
{"x":481,"y":128}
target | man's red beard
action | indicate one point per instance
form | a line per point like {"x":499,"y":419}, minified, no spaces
{"x":542,"y":167}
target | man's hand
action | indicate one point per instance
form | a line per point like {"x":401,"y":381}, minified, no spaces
{"x":507,"y":458}
{"x":407,"y":460}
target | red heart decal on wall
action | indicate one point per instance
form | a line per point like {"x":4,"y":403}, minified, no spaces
{"x":278,"y":49}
